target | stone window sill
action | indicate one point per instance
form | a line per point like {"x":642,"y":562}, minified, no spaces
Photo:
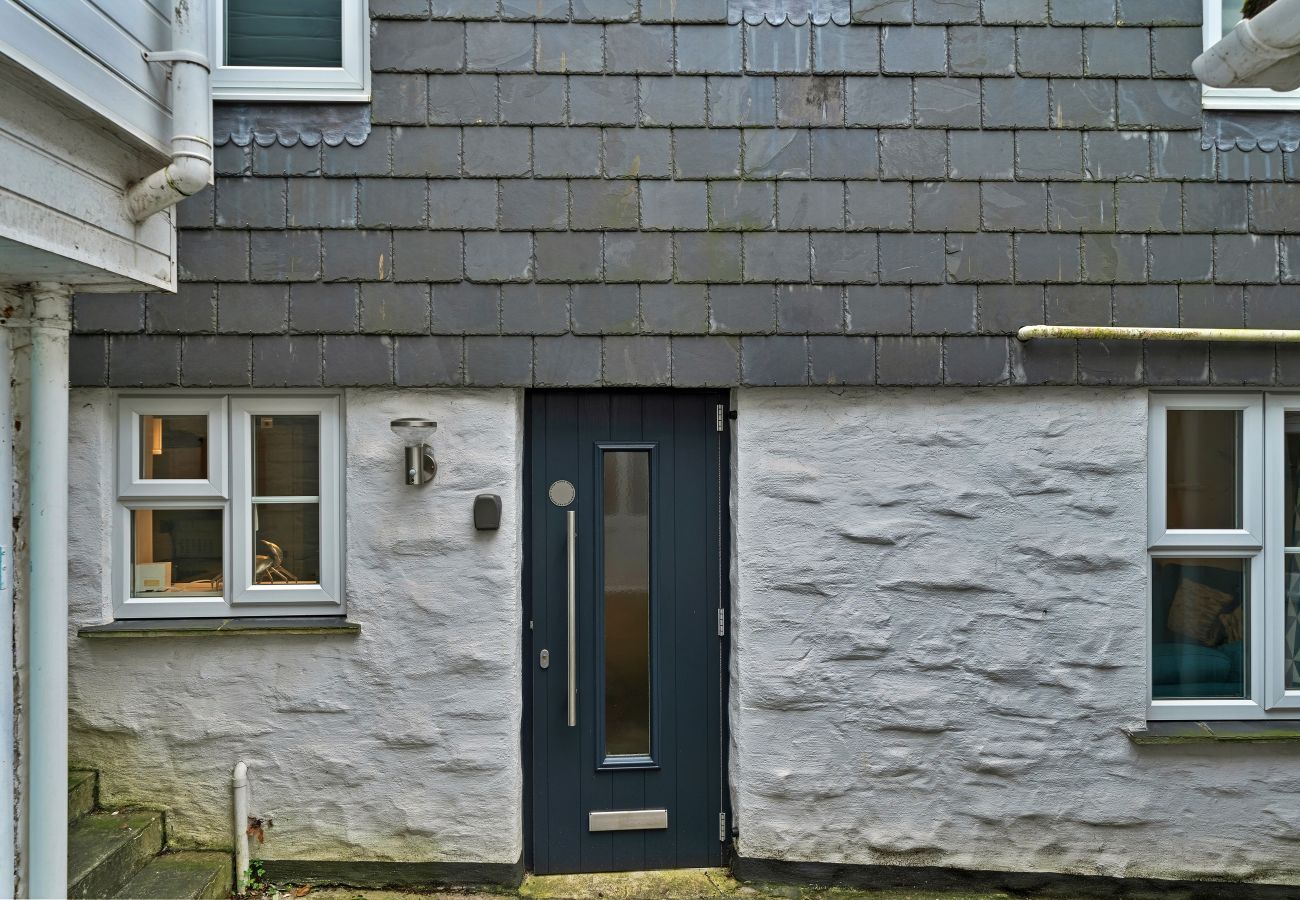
{"x":153,"y":628}
{"x":1215,"y":732}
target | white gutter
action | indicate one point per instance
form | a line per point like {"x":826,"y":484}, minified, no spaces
{"x":190,"y":170}
{"x":1107,"y":333}
{"x":1258,"y":52}
{"x":47,"y":595}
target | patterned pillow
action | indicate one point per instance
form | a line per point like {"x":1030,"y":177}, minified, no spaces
{"x":1195,"y":612}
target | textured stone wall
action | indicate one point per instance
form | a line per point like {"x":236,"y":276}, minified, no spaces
{"x":399,"y":744}
{"x":939,"y":627}
{"x":613,"y":192}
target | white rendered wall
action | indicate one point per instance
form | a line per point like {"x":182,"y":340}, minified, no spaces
{"x":940,"y":601}
{"x":399,"y":744}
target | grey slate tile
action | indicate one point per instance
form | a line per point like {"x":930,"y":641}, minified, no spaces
{"x":499,"y":361}
{"x":357,"y":255}
{"x":462,"y":100}
{"x":602,"y":100}
{"x":673,"y":100}
{"x":144,"y":361}
{"x":705,"y":361}
{"x":287,"y":361}
{"x":742,"y":101}
{"x":606,"y":310}
{"x":777,"y":257}
{"x":638,"y":256}
{"x":641,"y":360}
{"x":777,"y":360}
{"x":253,"y":308}
{"x":638,"y":48}
{"x":427,"y":256}
{"x":534,"y":308}
{"x":709,"y":50}
{"x":674,"y":308}
{"x":641,"y":152}
{"x":706,"y":153}
{"x":742,"y":309}
{"x":466,"y":308}
{"x":103,"y":313}
{"x":810,"y":205}
{"x":809,"y":309}
{"x":388,"y":308}
{"x":404,"y":46}
{"x":879,"y":205}
{"x":778,"y":48}
{"x":191,"y":310}
{"x":976,"y":360}
{"x":836,"y":360}
{"x":845,"y":153}
{"x":844,"y":258}
{"x":358,"y":360}
{"x":944,"y":309}
{"x":1211,"y":305}
{"x":531,"y":99}
{"x":909,"y":361}
{"x":216,"y":361}
{"x":912,"y":258}
{"x":567,"y":361}
{"x":498,"y":256}
{"x":776,"y":153}
{"x":285,"y":255}
{"x":884,"y":309}
{"x":566,"y":152}
{"x":914,"y":50}
{"x":322,"y":308}
{"x":568,"y":256}
{"x":428,"y":361}
{"x":497,"y":151}
{"x":1014,"y":206}
{"x":810,"y":101}
{"x":712,"y":256}
{"x":498,"y":46}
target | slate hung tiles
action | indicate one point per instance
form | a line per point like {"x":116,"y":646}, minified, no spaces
{"x":606,"y":192}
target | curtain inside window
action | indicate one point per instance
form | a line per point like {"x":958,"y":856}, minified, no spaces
{"x":284,"y":33}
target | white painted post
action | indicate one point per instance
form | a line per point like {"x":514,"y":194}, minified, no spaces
{"x":8,"y":834}
{"x":47,"y":595}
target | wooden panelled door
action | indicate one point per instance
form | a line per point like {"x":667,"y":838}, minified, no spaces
{"x":625,"y":631}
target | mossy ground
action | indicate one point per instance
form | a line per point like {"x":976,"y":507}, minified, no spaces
{"x":687,"y":884}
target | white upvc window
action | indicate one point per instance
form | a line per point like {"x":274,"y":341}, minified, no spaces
{"x":290,"y":50}
{"x":1224,"y":542}
{"x":228,"y":506}
{"x":1220,"y":17}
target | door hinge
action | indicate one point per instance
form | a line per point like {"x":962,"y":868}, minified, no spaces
{"x":719,"y":417}
{"x":722,"y":827}
{"x":722,"y":622}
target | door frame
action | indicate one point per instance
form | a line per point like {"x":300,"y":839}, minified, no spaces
{"x":725,"y":487}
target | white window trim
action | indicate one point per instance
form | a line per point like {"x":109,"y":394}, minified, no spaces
{"x":1262,"y":468}
{"x":285,"y":598}
{"x":234,"y":453}
{"x":1237,"y":98}
{"x":129,"y":482}
{"x":350,"y":83}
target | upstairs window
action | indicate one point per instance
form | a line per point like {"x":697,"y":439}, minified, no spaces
{"x":1220,"y":17}
{"x":290,"y":50}
{"x":1224,"y":533}
{"x":228,"y":506}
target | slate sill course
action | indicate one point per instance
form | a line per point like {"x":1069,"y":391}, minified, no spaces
{"x":153,"y":628}
{"x":1215,"y":732}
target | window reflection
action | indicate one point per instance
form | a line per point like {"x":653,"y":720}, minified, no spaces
{"x":173,"y":447}
{"x":284,"y":33}
{"x":1203,"y":480}
{"x":1201,"y":628}
{"x":176,"y":551}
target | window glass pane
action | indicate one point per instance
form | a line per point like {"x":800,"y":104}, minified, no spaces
{"x":286,"y":543}
{"x":1291,"y":625}
{"x":287,"y":33}
{"x":286,"y":456}
{"x":1203,"y":477}
{"x":1231,"y":14}
{"x":1200,"y":628}
{"x":173,"y":447}
{"x":176,"y":551}
{"x":626,"y":524}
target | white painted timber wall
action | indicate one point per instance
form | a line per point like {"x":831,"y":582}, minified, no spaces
{"x":939,"y":635}
{"x":401,"y":744}
{"x":90,"y":50}
{"x":62,"y":197}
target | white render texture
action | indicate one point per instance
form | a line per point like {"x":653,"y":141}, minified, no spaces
{"x":399,"y":744}
{"x":940,"y":601}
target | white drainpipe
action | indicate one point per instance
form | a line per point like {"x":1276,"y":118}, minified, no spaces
{"x":1113,"y":333}
{"x":47,"y":595}
{"x":191,"y":98}
{"x":240,"y":823}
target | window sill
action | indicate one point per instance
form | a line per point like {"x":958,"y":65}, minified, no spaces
{"x":153,"y":628}
{"x":1215,"y":732}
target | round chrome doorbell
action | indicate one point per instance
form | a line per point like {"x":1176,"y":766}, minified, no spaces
{"x":561,"y":493}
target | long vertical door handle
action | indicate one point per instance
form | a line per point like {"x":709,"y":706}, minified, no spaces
{"x":571,"y":662}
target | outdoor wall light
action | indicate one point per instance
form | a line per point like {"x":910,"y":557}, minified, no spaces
{"x":415,"y":434}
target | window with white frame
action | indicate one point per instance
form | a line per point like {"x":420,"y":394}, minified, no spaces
{"x":290,"y":50}
{"x":1224,"y":535}
{"x":1219,"y":18}
{"x":228,"y":506}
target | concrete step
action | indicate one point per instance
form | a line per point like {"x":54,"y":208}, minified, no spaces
{"x":188,"y":875}
{"x":81,"y":792}
{"x":106,"y":850}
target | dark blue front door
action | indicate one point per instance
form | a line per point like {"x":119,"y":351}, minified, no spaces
{"x":624,"y":638}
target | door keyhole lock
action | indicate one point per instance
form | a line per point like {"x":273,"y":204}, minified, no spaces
{"x":545,"y":659}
